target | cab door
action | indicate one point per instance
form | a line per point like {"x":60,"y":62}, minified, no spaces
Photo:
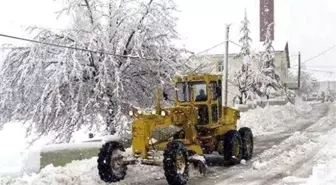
{"x":200,"y":100}
{"x":214,"y":105}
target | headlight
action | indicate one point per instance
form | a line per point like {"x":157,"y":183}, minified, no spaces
{"x":154,"y":112}
{"x":163,"y":113}
{"x":139,"y":112}
{"x":130,"y":113}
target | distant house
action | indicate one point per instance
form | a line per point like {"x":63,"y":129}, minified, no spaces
{"x":213,"y":64}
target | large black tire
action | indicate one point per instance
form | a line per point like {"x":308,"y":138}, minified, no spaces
{"x":174,"y":176}
{"x":232,"y":147}
{"x":247,"y":142}
{"x":107,"y":171}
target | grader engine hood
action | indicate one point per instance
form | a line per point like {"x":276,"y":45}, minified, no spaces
{"x":151,"y":131}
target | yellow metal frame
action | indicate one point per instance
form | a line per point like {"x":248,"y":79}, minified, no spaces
{"x":183,"y":115}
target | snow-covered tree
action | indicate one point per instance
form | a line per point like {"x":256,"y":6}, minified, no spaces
{"x":270,"y":79}
{"x":242,"y":78}
{"x":245,"y":39}
{"x":64,"y":89}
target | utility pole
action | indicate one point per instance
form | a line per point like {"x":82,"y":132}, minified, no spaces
{"x":225,"y":68}
{"x":299,"y":72}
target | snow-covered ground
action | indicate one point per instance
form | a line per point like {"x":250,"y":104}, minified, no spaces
{"x":294,"y":145}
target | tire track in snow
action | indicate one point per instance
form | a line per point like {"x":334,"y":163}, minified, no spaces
{"x":313,"y":132}
{"x":286,"y":137}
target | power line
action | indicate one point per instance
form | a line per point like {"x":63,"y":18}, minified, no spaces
{"x":319,"y":67}
{"x":235,"y":43}
{"x":87,"y":50}
{"x":215,"y":46}
{"x":206,"y":50}
{"x":323,"y":67}
{"x":318,"y":55}
{"x":69,"y":47}
{"x":323,"y":52}
{"x":322,"y":71}
{"x":12,"y":47}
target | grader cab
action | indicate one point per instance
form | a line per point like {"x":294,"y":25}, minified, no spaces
{"x":174,"y":137}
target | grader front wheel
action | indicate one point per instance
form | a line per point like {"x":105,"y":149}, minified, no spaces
{"x":175,"y":163}
{"x":110,"y":162}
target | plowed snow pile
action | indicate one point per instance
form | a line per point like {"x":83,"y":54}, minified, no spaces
{"x":263,"y":120}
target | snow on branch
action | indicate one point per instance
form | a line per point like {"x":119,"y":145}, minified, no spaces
{"x":63,"y":89}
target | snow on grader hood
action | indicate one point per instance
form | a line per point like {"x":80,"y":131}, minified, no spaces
{"x":196,"y":125}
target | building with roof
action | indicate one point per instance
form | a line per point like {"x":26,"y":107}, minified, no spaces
{"x":213,"y":63}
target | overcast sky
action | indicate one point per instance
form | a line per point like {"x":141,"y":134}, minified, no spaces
{"x":308,"y":25}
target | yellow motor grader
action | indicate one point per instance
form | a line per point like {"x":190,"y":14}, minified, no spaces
{"x":196,"y":125}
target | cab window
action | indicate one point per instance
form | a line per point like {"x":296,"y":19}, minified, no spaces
{"x":214,"y":87}
{"x":182,"y":91}
{"x":200,"y":91}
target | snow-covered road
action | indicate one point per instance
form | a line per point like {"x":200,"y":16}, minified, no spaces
{"x":286,"y":157}
{"x":293,"y":146}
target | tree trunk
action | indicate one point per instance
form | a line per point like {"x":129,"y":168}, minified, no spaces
{"x":244,"y":96}
{"x":110,"y":118}
{"x":241,"y":98}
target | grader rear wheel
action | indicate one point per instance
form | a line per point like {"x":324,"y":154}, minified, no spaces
{"x":175,"y":163}
{"x":232,"y":147}
{"x":110,"y":162}
{"x":247,"y":142}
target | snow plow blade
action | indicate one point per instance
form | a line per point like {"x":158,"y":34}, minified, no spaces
{"x":61,"y":154}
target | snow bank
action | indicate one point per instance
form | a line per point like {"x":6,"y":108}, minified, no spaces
{"x":11,"y":148}
{"x":14,"y":149}
{"x":324,"y":165}
{"x":303,"y":105}
{"x":323,"y":174}
{"x":78,"y":172}
{"x":85,"y":172}
{"x":17,"y":155}
{"x":324,"y":170}
{"x":264,"y":120}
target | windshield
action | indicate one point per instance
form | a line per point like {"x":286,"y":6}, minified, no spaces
{"x":184,"y":91}
{"x":200,"y":91}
